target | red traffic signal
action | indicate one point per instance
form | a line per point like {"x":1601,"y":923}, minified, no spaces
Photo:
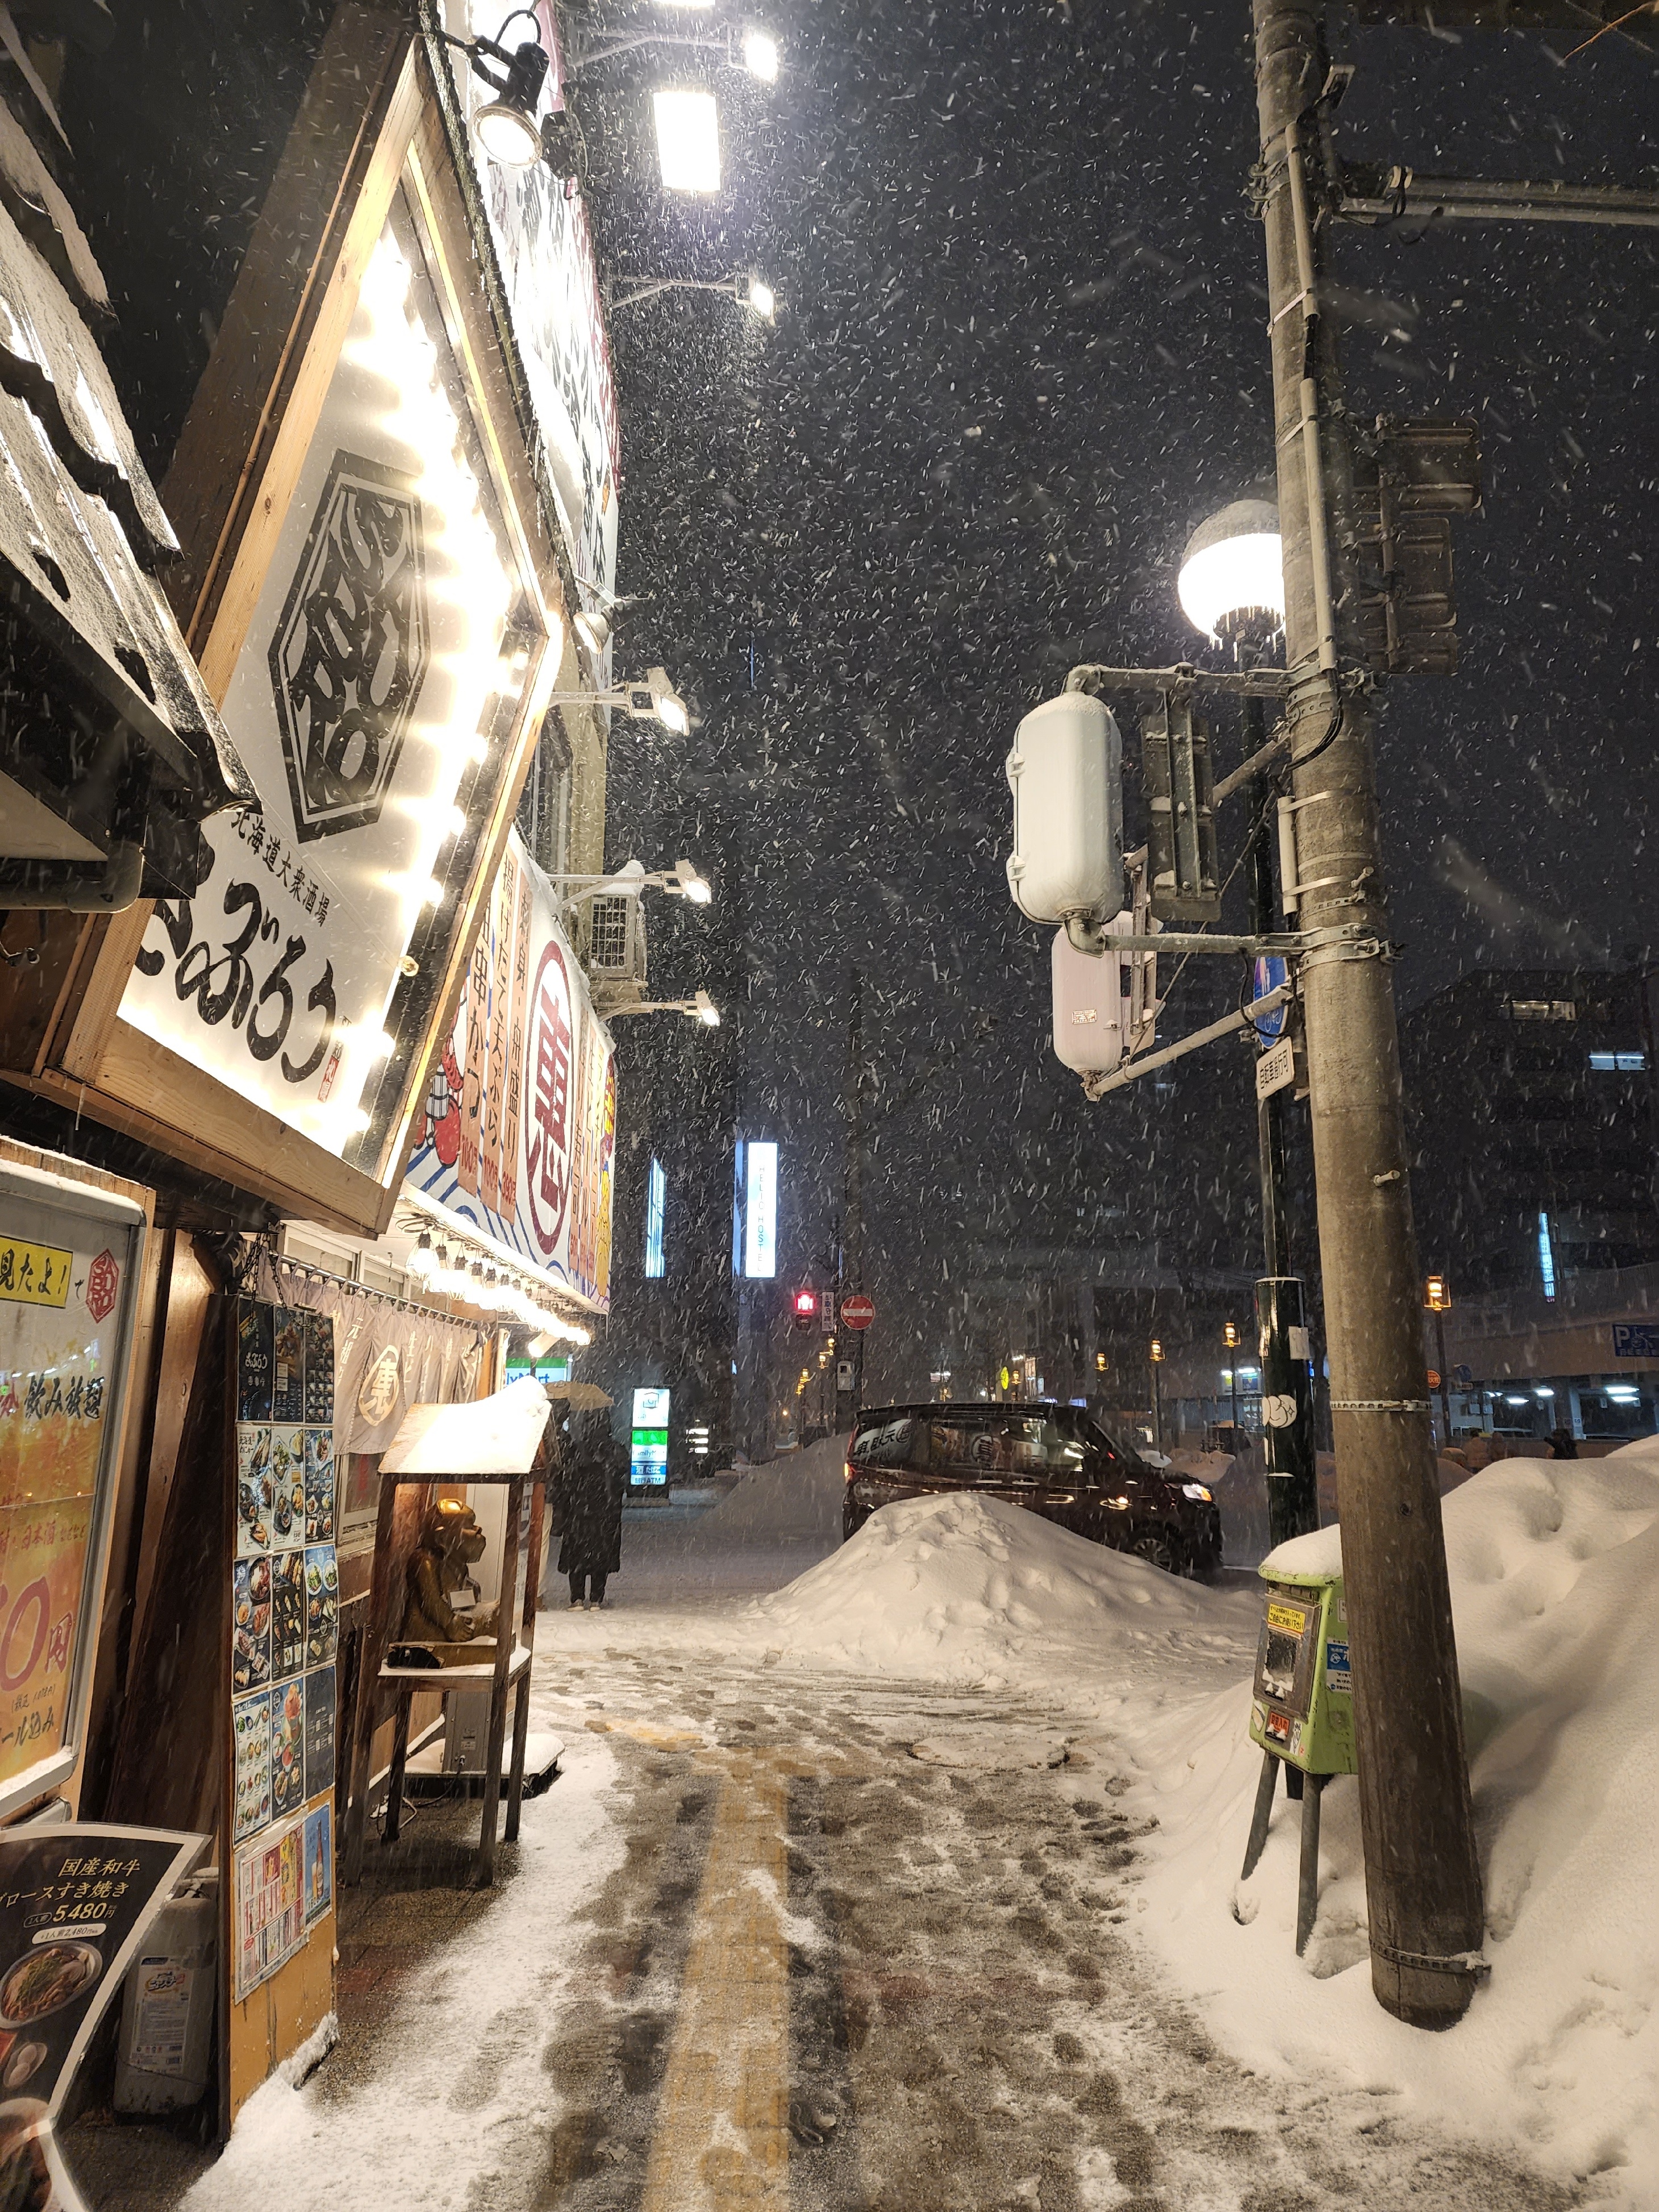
{"x":805,"y":1308}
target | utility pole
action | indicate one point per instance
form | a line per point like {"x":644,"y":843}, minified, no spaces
{"x":1423,"y":1883}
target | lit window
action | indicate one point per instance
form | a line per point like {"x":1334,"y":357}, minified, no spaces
{"x":1543,"y":1010}
{"x":1619,"y":1063}
{"x":1546,"y":1256}
{"x":656,"y":1207}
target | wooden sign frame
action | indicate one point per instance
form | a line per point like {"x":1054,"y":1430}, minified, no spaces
{"x":371,"y":127}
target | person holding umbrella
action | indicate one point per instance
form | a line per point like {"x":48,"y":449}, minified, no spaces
{"x":592,"y":1475}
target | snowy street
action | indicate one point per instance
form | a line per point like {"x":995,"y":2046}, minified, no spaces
{"x":873,"y":1893}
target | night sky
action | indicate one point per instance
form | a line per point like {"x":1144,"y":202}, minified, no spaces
{"x":1019,"y":354}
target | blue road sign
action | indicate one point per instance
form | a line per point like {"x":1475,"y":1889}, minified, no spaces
{"x":1636,"y":1340}
{"x":1270,"y":972}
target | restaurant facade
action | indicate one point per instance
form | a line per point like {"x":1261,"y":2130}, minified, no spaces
{"x":324,"y":1128}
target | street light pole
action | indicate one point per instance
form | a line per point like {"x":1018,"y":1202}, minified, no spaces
{"x":852,"y":1193}
{"x":1423,"y":1883}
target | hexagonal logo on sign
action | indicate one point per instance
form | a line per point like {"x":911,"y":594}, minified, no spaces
{"x":351,"y":649}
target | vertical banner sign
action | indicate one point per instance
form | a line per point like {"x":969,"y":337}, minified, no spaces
{"x":74,"y":1903}
{"x":68,"y":1266}
{"x":284,"y":1612}
{"x":518,"y":1136}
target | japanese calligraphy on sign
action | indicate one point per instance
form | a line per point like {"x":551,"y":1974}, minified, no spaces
{"x":351,"y":649}
{"x":519,"y":1134}
{"x":377,"y":652}
{"x":75,"y":1904}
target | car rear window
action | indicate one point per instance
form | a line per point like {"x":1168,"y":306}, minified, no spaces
{"x":885,"y":1443}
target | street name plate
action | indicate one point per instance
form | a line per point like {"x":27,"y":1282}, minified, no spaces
{"x":1275,"y":1070}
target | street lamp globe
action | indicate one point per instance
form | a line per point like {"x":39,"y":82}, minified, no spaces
{"x":1232,"y":584}
{"x":761,"y":298}
{"x":706,"y":1011}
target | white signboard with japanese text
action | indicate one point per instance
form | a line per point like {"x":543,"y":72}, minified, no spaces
{"x":540,"y":230}
{"x":519,"y":1134}
{"x":373,"y":661}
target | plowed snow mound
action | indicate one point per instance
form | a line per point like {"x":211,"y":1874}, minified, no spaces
{"x":1555,"y":1586}
{"x":798,"y":1495}
{"x":967,"y":1588}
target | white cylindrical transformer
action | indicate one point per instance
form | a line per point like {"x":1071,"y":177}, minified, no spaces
{"x":1090,"y":1006}
{"x":1065,"y":772}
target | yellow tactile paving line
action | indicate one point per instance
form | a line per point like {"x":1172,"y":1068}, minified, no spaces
{"x":722,"y":2138}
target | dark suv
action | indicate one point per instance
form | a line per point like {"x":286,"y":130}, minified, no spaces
{"x":1051,"y":1458}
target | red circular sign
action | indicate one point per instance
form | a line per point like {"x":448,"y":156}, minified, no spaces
{"x":103,"y":1278}
{"x":858,"y":1311}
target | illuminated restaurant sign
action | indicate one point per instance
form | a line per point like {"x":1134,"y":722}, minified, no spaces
{"x":364,"y":692}
{"x":518,"y":1136}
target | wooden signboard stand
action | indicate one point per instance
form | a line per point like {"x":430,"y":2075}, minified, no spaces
{"x":411,"y":1460}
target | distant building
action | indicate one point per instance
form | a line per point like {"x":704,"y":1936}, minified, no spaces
{"x":1531,"y":1102}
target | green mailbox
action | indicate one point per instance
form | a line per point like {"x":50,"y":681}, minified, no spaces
{"x":1301,"y":1713}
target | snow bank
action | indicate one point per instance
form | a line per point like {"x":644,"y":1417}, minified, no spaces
{"x":1555,"y":1574}
{"x":967,"y":1588}
{"x":797,"y":1496}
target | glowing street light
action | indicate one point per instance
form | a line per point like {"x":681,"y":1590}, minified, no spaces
{"x":506,"y":128}
{"x":760,"y":56}
{"x":688,"y":140}
{"x":681,"y":881}
{"x":654,"y":700}
{"x":749,"y":291}
{"x":699,"y":1008}
{"x":1232,"y":573}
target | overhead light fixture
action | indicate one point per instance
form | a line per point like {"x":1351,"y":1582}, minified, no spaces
{"x":667,"y":704}
{"x":593,"y":627}
{"x":1232,"y":573}
{"x":760,"y":56}
{"x":506,"y":128}
{"x":688,"y":140}
{"x":422,"y":1261}
{"x":706,"y":1011}
{"x":762,"y":297}
{"x":691,"y":885}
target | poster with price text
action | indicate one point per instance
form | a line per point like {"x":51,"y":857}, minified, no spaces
{"x":65,"y":1289}
{"x":74,"y":1903}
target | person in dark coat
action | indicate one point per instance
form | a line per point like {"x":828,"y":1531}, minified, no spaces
{"x":1563,"y":1444}
{"x":593,"y":1474}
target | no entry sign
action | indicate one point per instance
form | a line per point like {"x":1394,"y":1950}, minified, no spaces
{"x":858,"y":1311}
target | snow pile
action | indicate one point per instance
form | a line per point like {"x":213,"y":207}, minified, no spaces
{"x":799,"y":1495}
{"x":1555,"y":1574}
{"x":965,"y":1588}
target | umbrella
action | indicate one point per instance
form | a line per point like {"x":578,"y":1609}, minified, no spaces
{"x":582,"y":1397}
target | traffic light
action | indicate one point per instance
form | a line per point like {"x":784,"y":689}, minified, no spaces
{"x":804,"y":1310}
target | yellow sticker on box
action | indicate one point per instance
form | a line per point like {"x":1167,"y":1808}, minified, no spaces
{"x":33,"y":1274}
{"x":1290,"y":1619}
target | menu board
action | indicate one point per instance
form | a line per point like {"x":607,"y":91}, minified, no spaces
{"x":68,"y":1261}
{"x":284,"y":1629}
{"x":75,"y":1904}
